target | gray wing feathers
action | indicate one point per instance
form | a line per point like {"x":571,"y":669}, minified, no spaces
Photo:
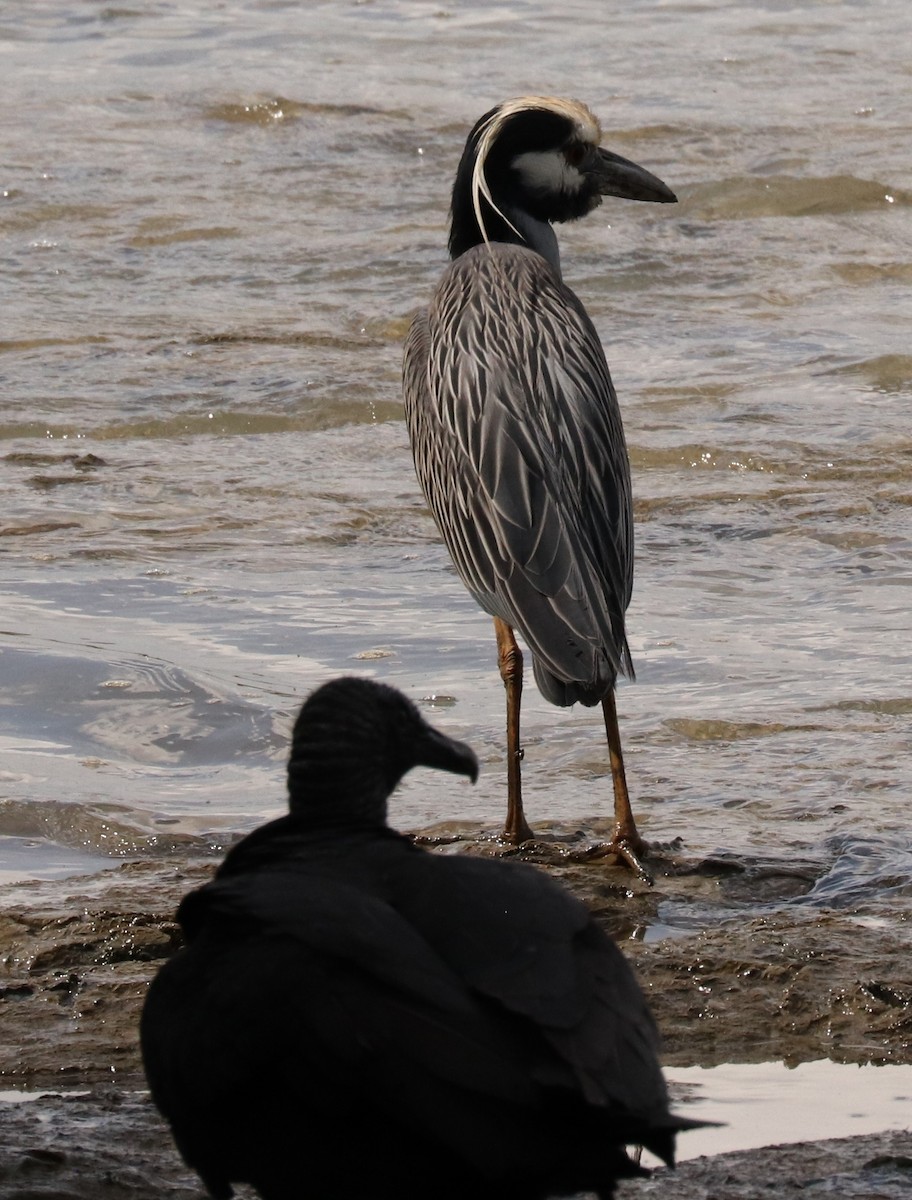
{"x":519,"y":448}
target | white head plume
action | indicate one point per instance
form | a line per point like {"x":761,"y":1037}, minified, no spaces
{"x":584,"y":121}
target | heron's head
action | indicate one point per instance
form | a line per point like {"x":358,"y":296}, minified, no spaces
{"x":353,"y":741}
{"x":537,"y":159}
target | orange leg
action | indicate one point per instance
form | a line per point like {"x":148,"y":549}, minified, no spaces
{"x":627,"y":843}
{"x":509,"y":659}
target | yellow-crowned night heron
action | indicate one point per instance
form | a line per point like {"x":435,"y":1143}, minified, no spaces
{"x":515,"y":426}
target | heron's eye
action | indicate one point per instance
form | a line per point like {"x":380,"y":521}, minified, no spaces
{"x":575,"y":153}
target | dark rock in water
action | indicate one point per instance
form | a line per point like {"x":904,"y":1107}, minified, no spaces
{"x":355,"y":1015}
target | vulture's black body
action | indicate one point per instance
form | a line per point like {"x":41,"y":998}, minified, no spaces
{"x":356,"y":1017}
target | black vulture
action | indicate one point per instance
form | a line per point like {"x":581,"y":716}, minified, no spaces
{"x":354,"y":1016}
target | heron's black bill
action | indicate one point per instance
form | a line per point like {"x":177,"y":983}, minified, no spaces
{"x":618,"y":176}
{"x":435,"y":749}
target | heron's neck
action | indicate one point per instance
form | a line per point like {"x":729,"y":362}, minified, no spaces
{"x":515,"y":227}
{"x":537,"y":235}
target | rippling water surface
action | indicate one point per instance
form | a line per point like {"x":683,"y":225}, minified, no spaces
{"x":216,"y":221}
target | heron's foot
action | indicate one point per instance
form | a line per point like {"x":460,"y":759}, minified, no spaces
{"x":517,"y":832}
{"x":633,"y":855}
{"x":627,"y":850}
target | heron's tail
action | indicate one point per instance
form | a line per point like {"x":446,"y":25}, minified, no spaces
{"x":564,"y":692}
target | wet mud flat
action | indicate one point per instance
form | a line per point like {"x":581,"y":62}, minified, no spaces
{"x":740,"y":962}
{"x":112,"y":1145}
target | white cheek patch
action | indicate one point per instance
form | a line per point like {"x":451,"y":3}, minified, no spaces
{"x":547,"y":171}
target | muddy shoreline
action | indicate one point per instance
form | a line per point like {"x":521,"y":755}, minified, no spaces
{"x":738,"y":965}
{"x":113,"y":1144}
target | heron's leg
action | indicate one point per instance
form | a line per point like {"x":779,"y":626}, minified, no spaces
{"x":509,"y":659}
{"x":627,"y":843}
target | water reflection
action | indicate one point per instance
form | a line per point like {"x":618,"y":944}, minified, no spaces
{"x":768,"y":1104}
{"x":37,"y":858}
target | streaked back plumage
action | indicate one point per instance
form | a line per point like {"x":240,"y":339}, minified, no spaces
{"x":520,"y":451}
{"x":514,"y":422}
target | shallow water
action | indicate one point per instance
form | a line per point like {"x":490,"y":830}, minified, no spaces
{"x":772,"y":1104}
{"x":215,"y":224}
